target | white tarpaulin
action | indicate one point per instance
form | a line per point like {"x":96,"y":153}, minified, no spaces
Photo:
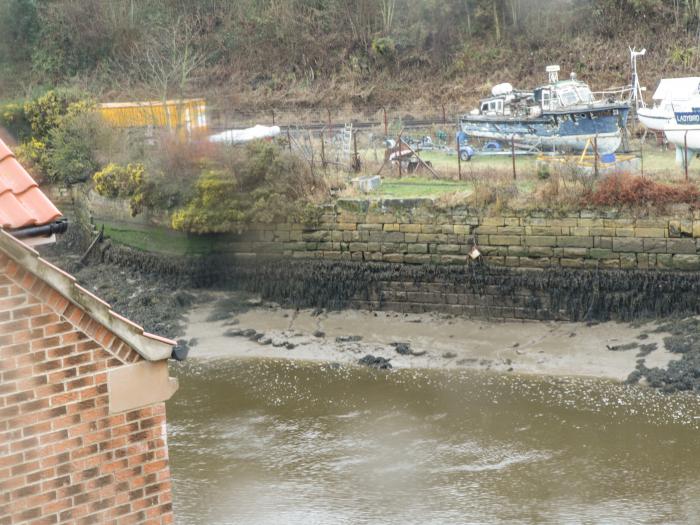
{"x":671,"y":89}
{"x":239,"y":136}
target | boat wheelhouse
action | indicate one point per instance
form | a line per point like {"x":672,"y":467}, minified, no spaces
{"x":561,"y":115}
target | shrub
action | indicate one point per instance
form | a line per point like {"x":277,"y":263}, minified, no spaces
{"x":628,"y":190}
{"x":261,"y":183}
{"x":71,"y":149}
{"x":119,"y":181}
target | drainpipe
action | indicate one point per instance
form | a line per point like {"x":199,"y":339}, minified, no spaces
{"x":45,"y":230}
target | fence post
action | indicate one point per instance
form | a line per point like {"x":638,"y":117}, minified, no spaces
{"x":459,"y":158}
{"x":685,"y":154}
{"x":273,"y":116}
{"x":355,"y":156}
{"x":289,"y":139}
{"x":398,"y":155}
{"x":323,"y":151}
{"x":641,"y":154}
{"x":512,"y":154}
{"x":330,"y":126}
{"x":444,"y":116}
{"x":595,"y":155}
{"x":386,"y":123}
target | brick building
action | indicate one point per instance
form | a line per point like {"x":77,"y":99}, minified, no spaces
{"x":82,"y":389}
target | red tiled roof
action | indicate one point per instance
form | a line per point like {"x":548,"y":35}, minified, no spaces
{"x":21,"y":201}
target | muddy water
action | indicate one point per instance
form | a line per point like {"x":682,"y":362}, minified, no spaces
{"x":276,"y":441}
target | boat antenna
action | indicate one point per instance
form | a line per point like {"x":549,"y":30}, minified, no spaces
{"x":637,"y":89}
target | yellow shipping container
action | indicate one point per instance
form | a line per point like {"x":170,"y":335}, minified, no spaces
{"x":183,"y":116}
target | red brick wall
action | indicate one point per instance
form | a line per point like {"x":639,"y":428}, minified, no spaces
{"x":63,"y":457}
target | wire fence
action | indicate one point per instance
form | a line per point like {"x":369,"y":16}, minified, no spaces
{"x":392,"y":141}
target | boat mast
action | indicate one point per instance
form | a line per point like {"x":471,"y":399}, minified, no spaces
{"x":637,"y":97}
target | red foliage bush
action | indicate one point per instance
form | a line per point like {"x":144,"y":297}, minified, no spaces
{"x":631,"y":190}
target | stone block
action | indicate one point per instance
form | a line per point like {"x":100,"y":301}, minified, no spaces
{"x":410,"y":228}
{"x":417,"y":248}
{"x":517,"y":251}
{"x":618,"y":223}
{"x":358,"y":246}
{"x":511,"y":230}
{"x":391,"y":227}
{"x":462,"y":229}
{"x":413,"y":258}
{"x":696,"y":228}
{"x":448,"y":248}
{"x":504,"y":240}
{"x":540,"y":251}
{"x":393,"y":257}
{"x":609,"y":263}
{"x":432,"y":237}
{"x":603,"y":242}
{"x":493,"y":221}
{"x":347,"y":226}
{"x":534,"y":262}
{"x":370,"y":226}
{"x":513,"y":221}
{"x":430,"y":228}
{"x":674,"y":228}
{"x":574,"y":242}
{"x":686,"y":262}
{"x":373,"y":246}
{"x":602,"y":231}
{"x":575,"y":252}
{"x":681,"y":246}
{"x":317,"y":236}
{"x":540,"y":240}
{"x":393,"y":237}
{"x":486,"y":230}
{"x":628,"y":244}
{"x":664,"y":261}
{"x":628,"y":260}
{"x":410,"y":237}
{"x":602,"y":253}
{"x":543,"y":230}
{"x":453,"y":259}
{"x":656,"y":245}
{"x":643,"y":260}
{"x":447,"y":229}
{"x":513,"y":262}
{"x":388,"y":247}
{"x":571,"y":262}
{"x":624,"y":232}
{"x":580,"y":231}
{"x":661,"y":224}
{"x":495,"y":260}
{"x":651,"y":232}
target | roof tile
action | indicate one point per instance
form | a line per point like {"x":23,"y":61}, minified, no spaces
{"x":21,"y":201}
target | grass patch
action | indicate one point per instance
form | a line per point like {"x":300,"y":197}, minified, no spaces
{"x":160,"y":240}
{"x":415,"y":187}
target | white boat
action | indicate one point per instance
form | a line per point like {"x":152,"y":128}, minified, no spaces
{"x":670,"y":96}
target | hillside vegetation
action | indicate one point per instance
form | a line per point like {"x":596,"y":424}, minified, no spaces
{"x":334,"y":53}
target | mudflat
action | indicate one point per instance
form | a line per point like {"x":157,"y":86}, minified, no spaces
{"x":605,"y":350}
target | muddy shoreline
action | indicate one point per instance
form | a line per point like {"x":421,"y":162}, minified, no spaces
{"x":239,"y":318}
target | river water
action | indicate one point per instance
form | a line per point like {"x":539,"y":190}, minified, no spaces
{"x":282,"y":442}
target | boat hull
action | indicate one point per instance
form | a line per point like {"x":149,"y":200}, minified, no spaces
{"x":655,"y":120}
{"x":570,"y":131}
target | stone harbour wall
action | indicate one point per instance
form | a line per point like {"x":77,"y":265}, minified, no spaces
{"x":415,"y":232}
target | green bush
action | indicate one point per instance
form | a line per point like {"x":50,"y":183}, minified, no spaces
{"x":118,"y":181}
{"x":59,"y":132}
{"x":262,"y":183}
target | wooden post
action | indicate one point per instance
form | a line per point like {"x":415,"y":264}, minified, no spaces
{"x":323,"y":151}
{"x":512,"y":154}
{"x":355,"y":157}
{"x":399,"y":153}
{"x":459,"y":158}
{"x":386,"y":124}
{"x":641,"y":154}
{"x":444,"y":116}
{"x":289,"y":139}
{"x":273,"y":116}
{"x":685,"y":154}
{"x":330,"y":126}
{"x":595,"y":155}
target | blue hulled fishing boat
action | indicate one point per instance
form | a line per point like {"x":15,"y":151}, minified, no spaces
{"x":562,"y":115}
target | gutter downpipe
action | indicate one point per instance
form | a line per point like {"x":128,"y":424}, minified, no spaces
{"x":45,"y":230}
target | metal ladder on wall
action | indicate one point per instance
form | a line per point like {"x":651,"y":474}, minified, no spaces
{"x":346,"y":151}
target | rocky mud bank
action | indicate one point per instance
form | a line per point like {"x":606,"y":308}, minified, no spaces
{"x":159,"y":292}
